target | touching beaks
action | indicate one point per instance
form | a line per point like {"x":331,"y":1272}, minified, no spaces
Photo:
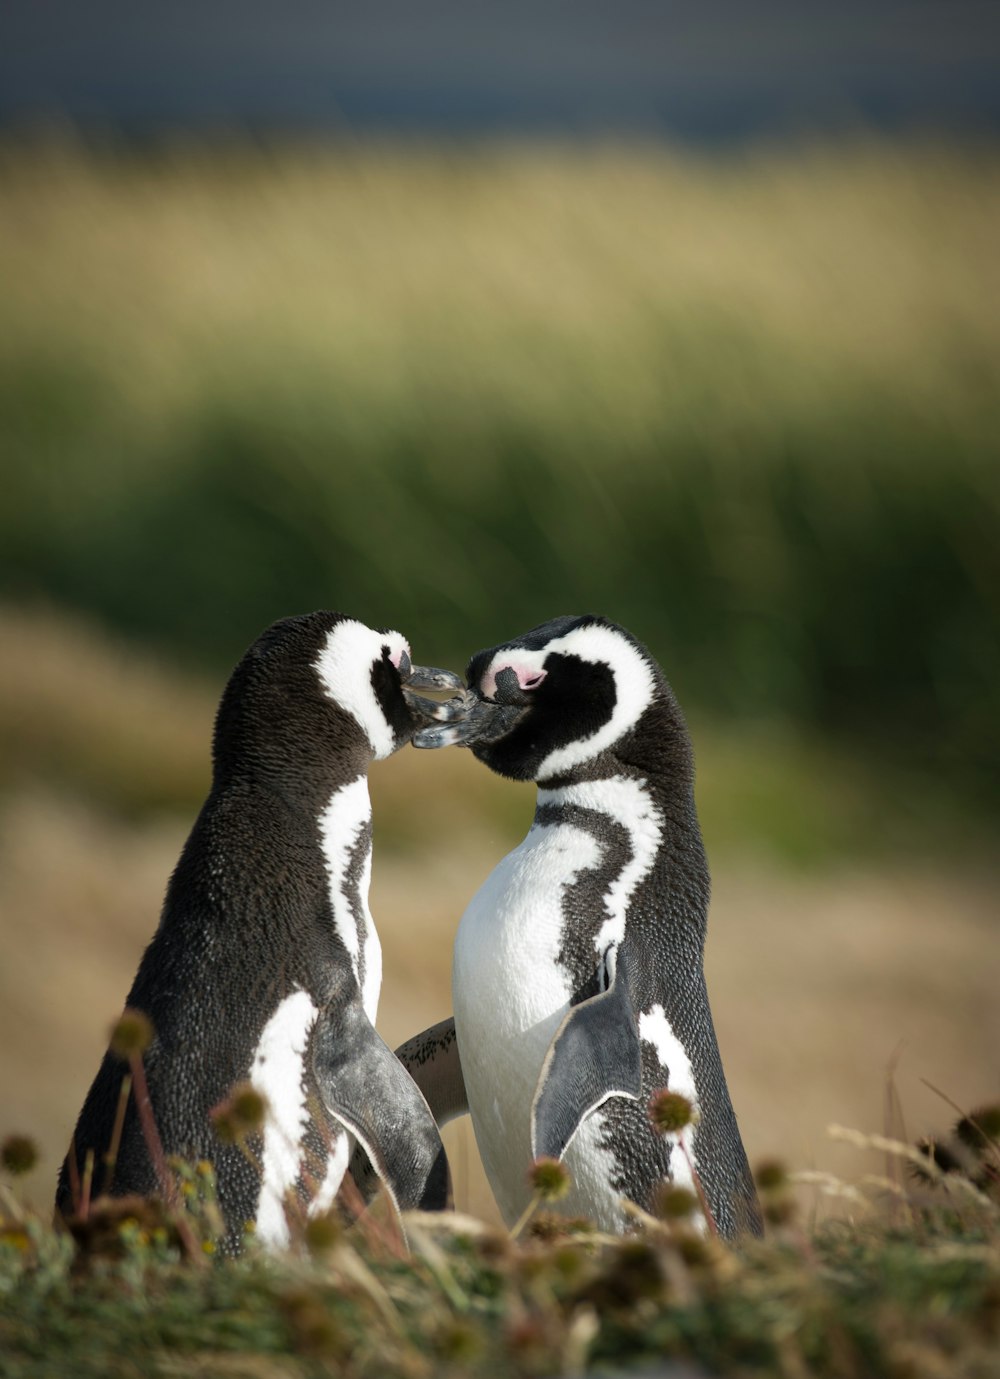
{"x":430,"y":678}
{"x":470,"y":720}
{"x":442,"y":681}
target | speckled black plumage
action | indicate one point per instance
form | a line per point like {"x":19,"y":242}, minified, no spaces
{"x":247,"y":920}
{"x":667,"y":914}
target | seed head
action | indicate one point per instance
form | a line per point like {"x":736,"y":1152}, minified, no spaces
{"x":674,"y":1203}
{"x":547,"y":1226}
{"x":694,"y":1249}
{"x":549,"y":1178}
{"x":18,"y":1154}
{"x":771,"y":1174}
{"x":241,"y":1113}
{"x":670,"y":1111}
{"x":975,"y":1129}
{"x":949,"y":1158}
{"x":779,"y":1208}
{"x":132,"y":1034}
{"x":322,"y":1233}
{"x":634,"y":1272}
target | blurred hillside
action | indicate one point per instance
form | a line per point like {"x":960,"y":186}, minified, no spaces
{"x":749,"y":407}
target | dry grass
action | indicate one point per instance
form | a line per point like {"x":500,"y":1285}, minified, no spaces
{"x":514,"y":254}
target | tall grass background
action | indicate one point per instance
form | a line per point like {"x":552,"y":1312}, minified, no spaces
{"x":746,"y":405}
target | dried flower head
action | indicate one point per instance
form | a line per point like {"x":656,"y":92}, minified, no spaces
{"x":549,"y":1179}
{"x":634,"y":1271}
{"x":242,"y":1112}
{"x":979,"y":1127}
{"x":132,"y":1034}
{"x":670,"y":1111}
{"x":675,"y":1203}
{"x":771,"y":1175}
{"x":322,"y":1233}
{"x":779,"y":1208}
{"x":18,"y":1154}
{"x":947,"y":1158}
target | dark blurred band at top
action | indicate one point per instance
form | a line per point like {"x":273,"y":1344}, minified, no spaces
{"x":716,"y":71}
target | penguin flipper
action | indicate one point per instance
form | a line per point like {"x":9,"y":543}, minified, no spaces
{"x":364,"y":1085}
{"x":594,"y":1055}
{"x":431,"y":1058}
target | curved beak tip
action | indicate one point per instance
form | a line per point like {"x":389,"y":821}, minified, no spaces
{"x":431,"y":678}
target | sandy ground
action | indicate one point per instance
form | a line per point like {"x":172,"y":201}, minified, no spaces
{"x":817,"y":984}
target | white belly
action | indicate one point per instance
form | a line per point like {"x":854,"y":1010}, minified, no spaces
{"x":510,"y":995}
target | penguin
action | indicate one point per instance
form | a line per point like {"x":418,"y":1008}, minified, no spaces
{"x":578,"y":978}
{"x":266,"y":965}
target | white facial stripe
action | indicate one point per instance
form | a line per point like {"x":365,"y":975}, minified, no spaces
{"x":277,"y":1072}
{"x":345,"y":669}
{"x":634,"y":687}
{"x":629,"y":804}
{"x":340,"y":825}
{"x":655,"y":1029}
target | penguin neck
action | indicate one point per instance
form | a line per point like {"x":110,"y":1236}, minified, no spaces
{"x":345,"y":837}
{"x":309,"y":851}
{"x":652,"y":848}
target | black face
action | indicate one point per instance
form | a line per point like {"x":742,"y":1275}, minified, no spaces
{"x":320,"y":694}
{"x":387,"y":682}
{"x":553,"y":700}
{"x":572,"y":700}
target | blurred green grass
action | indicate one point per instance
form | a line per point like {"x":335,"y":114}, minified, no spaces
{"x":748,"y":407}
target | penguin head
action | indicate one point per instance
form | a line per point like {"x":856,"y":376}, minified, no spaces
{"x":572,"y":699}
{"x":319,"y":689}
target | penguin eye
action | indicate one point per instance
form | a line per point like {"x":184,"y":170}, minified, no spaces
{"x":513,"y":682}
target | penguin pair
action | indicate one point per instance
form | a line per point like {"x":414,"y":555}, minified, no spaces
{"x":266,"y":966}
{"x":578,"y":978}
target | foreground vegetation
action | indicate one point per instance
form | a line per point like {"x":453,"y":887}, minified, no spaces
{"x":748,"y":406}
{"x":908,"y":1287}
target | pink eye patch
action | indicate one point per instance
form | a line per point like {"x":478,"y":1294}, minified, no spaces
{"x":528,"y":677}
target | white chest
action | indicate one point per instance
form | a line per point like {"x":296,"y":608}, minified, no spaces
{"x":510,"y":993}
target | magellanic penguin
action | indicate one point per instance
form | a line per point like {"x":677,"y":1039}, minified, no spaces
{"x":578,"y":978}
{"x":266,"y":965}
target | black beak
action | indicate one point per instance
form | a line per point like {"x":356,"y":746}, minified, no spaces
{"x":442,"y":681}
{"x":430,"y":678}
{"x":470,"y":720}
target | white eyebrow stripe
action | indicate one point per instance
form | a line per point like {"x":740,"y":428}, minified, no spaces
{"x":634,"y":688}
{"x":344,"y":665}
